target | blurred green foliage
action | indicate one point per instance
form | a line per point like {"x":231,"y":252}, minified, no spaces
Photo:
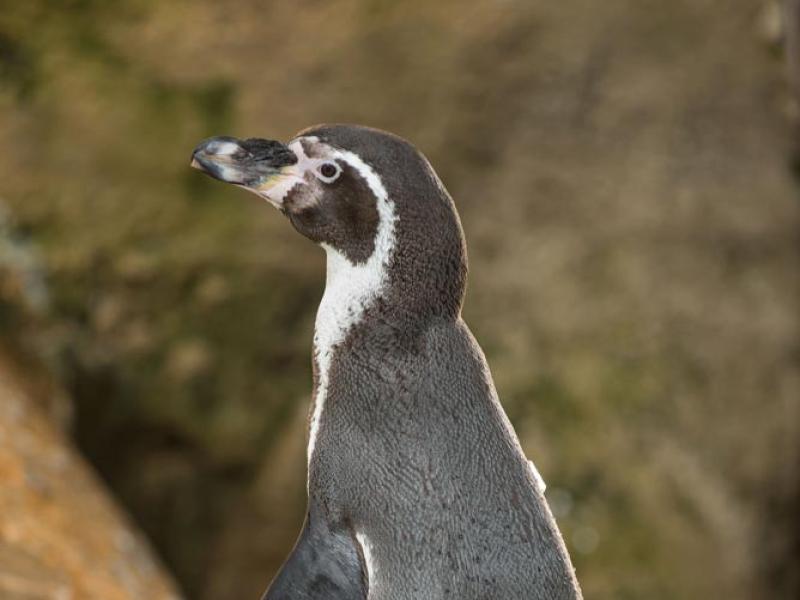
{"x":622,"y":175}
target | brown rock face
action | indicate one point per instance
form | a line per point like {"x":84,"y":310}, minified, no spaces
{"x":61,"y":536}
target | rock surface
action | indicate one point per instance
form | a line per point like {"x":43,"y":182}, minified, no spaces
{"x":61,"y":536}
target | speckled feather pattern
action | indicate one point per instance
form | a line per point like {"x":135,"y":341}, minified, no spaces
{"x":418,"y":488}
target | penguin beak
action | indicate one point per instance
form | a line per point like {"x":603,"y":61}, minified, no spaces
{"x":255,"y":164}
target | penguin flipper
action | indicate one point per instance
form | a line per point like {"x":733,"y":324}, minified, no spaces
{"x":324,"y":564}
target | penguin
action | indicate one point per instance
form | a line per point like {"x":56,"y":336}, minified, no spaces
{"x":417,"y":485}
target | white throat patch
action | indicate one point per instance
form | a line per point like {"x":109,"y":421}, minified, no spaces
{"x":349,"y":289}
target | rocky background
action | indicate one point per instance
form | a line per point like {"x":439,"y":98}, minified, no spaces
{"x":627,"y":176}
{"x":61,"y":537}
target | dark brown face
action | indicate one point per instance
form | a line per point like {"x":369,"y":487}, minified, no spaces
{"x":328,"y":194}
{"x":336,"y":207}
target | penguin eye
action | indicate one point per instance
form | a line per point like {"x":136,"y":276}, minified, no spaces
{"x":329,"y":171}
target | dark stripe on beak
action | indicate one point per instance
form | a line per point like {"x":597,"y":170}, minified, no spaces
{"x":242,"y":162}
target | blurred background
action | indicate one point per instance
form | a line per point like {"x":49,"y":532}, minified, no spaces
{"x":627,"y":174}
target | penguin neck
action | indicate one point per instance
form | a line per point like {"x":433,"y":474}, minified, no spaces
{"x":351,"y":288}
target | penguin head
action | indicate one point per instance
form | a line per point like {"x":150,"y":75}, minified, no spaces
{"x":367,"y":196}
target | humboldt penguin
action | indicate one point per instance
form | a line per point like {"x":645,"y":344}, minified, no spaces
{"x":417,"y":485}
